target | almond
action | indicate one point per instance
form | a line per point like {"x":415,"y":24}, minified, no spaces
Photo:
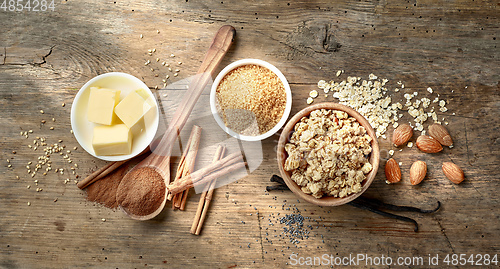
{"x":402,"y":134}
{"x":392,"y":171}
{"x":440,"y":133}
{"x":453,"y":172}
{"x":417,"y":172}
{"x":428,"y":144}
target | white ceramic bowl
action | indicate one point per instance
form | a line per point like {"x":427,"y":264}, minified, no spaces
{"x":83,"y":129}
{"x":213,"y":99}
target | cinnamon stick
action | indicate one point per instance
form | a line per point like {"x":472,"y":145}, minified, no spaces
{"x":186,"y":166}
{"x":202,"y":178}
{"x":109,"y":167}
{"x":181,"y":184}
{"x":202,"y":205}
{"x":98,"y":174}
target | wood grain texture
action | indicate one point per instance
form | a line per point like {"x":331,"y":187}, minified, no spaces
{"x":450,"y":46}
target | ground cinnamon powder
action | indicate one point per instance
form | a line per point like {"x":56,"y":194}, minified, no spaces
{"x":142,"y":193}
{"x":104,"y":190}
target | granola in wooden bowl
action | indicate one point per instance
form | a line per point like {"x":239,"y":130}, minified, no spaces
{"x":328,"y":154}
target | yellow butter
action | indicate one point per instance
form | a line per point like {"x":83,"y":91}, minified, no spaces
{"x":101,"y":105}
{"x":133,"y":107}
{"x":112,"y":140}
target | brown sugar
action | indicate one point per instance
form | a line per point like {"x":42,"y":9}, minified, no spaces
{"x":251,"y":94}
{"x":142,"y":192}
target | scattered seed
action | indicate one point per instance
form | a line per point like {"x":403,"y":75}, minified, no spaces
{"x":141,"y":36}
{"x":14,"y":152}
{"x":63,"y":104}
{"x":179,"y":63}
{"x":51,"y":128}
{"x":41,"y":111}
{"x":172,"y":55}
{"x":157,"y":31}
{"x":29,"y":203}
{"x":175,"y":74}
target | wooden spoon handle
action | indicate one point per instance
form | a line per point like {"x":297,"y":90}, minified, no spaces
{"x":220,"y":45}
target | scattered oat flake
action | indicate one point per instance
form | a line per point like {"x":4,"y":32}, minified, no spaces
{"x":309,"y":100}
{"x":313,"y":94}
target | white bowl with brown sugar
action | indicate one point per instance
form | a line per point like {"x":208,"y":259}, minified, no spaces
{"x":250,"y":99}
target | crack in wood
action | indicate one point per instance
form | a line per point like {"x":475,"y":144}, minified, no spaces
{"x":312,"y":37}
{"x":445,"y":236}
{"x":44,"y":57}
{"x":23,"y":56}
{"x":260,"y":232}
{"x":466,"y":142}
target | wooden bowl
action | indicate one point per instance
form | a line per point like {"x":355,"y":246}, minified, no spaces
{"x":282,"y":155}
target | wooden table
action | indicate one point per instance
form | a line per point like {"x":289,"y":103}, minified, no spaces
{"x":450,"y":46}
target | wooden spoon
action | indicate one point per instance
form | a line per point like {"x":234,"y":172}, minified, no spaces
{"x":159,"y":159}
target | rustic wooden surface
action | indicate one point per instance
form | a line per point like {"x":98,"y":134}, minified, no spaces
{"x":451,"y":46}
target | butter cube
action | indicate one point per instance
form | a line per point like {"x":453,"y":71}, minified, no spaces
{"x":133,"y":107}
{"x":101,"y":106}
{"x":112,"y":140}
